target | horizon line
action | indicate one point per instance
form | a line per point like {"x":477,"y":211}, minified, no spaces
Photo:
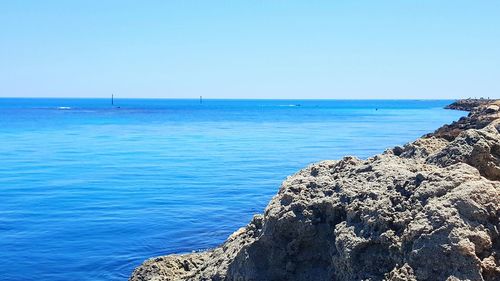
{"x":204,"y":98}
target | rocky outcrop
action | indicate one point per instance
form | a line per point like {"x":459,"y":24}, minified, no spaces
{"x":468,"y":104}
{"x":479,"y":117}
{"x":426,"y":211}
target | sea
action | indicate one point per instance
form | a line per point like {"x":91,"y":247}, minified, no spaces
{"x":89,"y":190}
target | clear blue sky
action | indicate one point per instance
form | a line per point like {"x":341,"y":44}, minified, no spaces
{"x":250,"y":49}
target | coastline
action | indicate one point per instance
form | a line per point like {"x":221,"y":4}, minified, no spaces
{"x":388,"y":217}
{"x":468,"y":104}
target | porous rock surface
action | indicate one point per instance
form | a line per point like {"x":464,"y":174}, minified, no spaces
{"x":426,"y":211}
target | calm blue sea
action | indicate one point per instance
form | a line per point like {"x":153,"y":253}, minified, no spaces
{"x":88,"y":191}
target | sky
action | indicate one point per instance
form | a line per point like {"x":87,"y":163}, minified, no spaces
{"x":369,"y":49}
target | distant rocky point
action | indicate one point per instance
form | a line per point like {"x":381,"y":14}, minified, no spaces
{"x":428,"y":210}
{"x":468,"y":104}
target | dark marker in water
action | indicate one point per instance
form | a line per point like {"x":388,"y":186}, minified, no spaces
{"x":201,"y":99}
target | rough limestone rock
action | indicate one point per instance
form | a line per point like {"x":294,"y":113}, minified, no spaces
{"x":426,"y":211}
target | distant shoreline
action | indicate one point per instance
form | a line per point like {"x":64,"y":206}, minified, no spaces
{"x":468,"y":104}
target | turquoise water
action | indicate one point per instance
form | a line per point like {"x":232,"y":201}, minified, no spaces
{"x":89,"y":191}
